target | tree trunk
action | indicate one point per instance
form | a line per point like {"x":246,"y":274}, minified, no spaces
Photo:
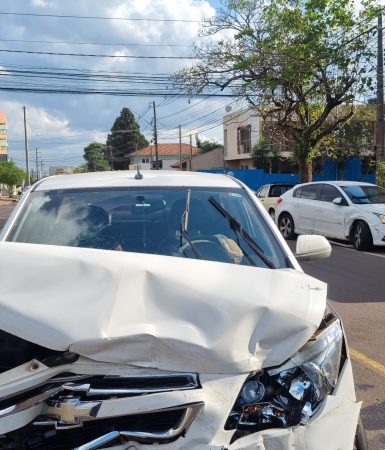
{"x":305,"y":170}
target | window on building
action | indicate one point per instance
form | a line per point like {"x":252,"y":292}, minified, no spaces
{"x":244,"y":139}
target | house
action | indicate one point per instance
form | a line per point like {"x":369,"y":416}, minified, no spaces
{"x":61,"y":170}
{"x":214,"y":159}
{"x":242,"y":130}
{"x":169,"y":156}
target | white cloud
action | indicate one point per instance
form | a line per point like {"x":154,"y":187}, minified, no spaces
{"x":66,"y":116}
{"x":41,"y":3}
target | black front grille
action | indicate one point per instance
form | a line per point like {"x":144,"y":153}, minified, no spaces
{"x":172,"y":382}
{"x":36,"y":437}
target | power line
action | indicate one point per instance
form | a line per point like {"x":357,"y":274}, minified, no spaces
{"x":125,"y":44}
{"x":68,"y":16}
{"x":29,"y":52}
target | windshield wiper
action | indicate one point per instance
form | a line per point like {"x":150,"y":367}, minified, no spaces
{"x":236,"y":226}
{"x":184,"y":226}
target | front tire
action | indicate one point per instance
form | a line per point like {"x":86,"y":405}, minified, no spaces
{"x":361,"y":236}
{"x":286,"y":226}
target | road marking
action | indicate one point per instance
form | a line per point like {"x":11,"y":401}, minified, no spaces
{"x":349,"y":247}
{"x":366,"y":361}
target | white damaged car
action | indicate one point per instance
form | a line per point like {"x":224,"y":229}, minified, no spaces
{"x":163,"y":310}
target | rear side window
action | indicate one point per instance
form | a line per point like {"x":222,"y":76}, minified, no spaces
{"x":298,"y":192}
{"x":310,"y":192}
{"x":329,"y":193}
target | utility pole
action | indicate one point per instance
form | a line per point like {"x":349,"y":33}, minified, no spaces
{"x":109,"y":150}
{"x":26,"y":148}
{"x":41,"y":169}
{"x":155,"y":139}
{"x":180,"y":147}
{"x":380,"y":131}
{"x":190,"y":153}
{"x":37,"y":165}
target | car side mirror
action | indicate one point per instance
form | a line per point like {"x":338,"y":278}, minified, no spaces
{"x":312,"y":247}
{"x":338,"y":201}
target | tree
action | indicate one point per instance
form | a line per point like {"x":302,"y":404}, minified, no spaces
{"x":380,"y":174}
{"x":354,"y":138}
{"x":11,"y":175}
{"x":259,"y":154}
{"x":265,"y":156}
{"x":124,"y":139}
{"x":294,"y":61}
{"x":206,"y":146}
{"x":96,"y":156}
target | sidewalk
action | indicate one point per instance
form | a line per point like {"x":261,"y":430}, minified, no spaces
{"x":6,"y":200}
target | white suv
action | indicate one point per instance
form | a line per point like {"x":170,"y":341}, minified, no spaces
{"x":347,"y":210}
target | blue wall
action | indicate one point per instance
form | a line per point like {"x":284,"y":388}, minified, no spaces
{"x":255,"y":178}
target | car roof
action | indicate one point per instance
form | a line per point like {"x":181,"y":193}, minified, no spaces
{"x":338,"y":183}
{"x":126,"y":178}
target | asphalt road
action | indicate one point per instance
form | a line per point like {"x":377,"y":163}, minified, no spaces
{"x":356,"y":289}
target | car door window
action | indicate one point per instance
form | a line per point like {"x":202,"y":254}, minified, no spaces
{"x":311,"y":192}
{"x":329,"y":193}
{"x":298,"y":192}
{"x":262,"y":192}
{"x":275,"y":191}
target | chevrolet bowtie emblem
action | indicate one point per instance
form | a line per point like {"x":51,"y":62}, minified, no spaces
{"x":71,"y":411}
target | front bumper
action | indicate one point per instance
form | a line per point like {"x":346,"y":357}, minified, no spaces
{"x":378,"y":234}
{"x":332,"y":427}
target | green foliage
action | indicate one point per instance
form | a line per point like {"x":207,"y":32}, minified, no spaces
{"x":81,"y":169}
{"x":354,"y":138}
{"x":265,"y":156}
{"x":380,"y":174}
{"x":124,"y":139}
{"x":11,"y":175}
{"x":295,"y":62}
{"x":259,"y":154}
{"x":206,"y":146}
{"x":96,"y":156}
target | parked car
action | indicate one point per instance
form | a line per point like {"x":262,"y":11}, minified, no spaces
{"x":347,"y":210}
{"x":164,"y":310}
{"x":268,"y":195}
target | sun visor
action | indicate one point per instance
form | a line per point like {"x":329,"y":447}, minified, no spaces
{"x":156,"y":311}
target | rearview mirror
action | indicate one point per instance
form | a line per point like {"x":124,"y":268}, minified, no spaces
{"x":312,"y":247}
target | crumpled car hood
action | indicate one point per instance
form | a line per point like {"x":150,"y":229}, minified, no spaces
{"x":156,"y":311}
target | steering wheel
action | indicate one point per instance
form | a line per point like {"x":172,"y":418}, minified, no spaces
{"x":208,"y":247}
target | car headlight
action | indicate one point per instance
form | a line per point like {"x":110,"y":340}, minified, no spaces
{"x":381,"y":217}
{"x":290,"y":394}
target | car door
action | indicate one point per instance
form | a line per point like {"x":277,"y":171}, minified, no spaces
{"x":262,"y":194}
{"x":304,"y":203}
{"x":329,"y":217}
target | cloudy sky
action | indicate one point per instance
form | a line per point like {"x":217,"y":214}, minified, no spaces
{"x":60,"y":125}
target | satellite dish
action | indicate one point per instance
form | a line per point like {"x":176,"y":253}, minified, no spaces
{"x":228,"y":108}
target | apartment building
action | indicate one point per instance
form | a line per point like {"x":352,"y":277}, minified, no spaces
{"x":3,"y":137}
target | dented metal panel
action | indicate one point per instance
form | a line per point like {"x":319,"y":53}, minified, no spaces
{"x":150,"y":311}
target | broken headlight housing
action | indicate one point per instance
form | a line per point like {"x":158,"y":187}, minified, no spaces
{"x":290,"y":394}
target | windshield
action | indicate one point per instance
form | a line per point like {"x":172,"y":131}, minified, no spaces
{"x":364,"y":194}
{"x":150,"y":221}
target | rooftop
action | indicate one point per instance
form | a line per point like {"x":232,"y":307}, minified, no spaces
{"x":167,"y":149}
{"x":126,"y":178}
